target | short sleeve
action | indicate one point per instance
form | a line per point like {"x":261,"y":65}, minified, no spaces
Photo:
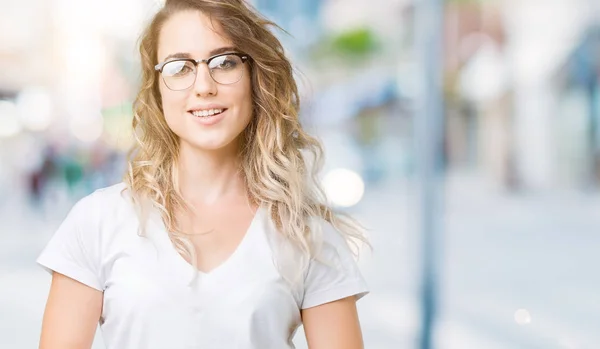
{"x":333,"y":274}
{"x":74,"y":249}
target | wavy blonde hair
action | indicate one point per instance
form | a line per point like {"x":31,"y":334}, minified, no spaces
{"x":274,"y":152}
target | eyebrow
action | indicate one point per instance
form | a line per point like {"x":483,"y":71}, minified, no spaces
{"x":210,"y":54}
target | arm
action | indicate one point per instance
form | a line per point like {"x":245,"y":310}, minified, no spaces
{"x":71,"y":316}
{"x":333,"y":325}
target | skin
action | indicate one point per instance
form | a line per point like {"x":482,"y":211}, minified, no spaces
{"x":71,"y":316}
{"x":210,"y":181}
{"x":333,"y":325}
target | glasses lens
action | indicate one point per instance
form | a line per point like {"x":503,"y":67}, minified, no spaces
{"x":226,"y":69}
{"x":179,"y":75}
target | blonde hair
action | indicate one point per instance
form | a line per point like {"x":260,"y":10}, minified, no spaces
{"x":274,"y":145}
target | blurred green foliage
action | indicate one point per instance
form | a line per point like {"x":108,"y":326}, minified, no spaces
{"x":356,"y":42}
{"x":354,"y":46}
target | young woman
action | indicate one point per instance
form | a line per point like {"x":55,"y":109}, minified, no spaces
{"x":219,"y":236}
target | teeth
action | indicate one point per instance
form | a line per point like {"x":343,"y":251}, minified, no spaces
{"x":206,"y":113}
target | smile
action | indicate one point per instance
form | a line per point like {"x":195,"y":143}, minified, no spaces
{"x":207,"y":113}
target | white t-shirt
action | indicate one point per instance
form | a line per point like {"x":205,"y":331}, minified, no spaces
{"x":150,"y":301}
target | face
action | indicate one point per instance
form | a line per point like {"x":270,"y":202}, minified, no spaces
{"x":191,"y":34}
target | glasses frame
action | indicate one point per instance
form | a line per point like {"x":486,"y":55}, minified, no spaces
{"x":159,"y":67}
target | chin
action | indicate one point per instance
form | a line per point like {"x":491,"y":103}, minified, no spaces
{"x":210,"y":145}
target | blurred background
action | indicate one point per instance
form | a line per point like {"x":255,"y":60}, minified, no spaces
{"x":514,"y":251}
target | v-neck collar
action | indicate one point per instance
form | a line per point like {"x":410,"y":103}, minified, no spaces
{"x":185,"y":270}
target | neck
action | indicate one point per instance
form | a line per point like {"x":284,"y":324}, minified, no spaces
{"x":208,"y":176}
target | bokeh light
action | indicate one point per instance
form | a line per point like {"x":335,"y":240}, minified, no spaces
{"x":87,"y":129}
{"x":9,"y":119}
{"x":35,"y":108}
{"x":522,"y":317}
{"x":343,"y":187}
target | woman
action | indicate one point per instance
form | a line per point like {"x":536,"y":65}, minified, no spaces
{"x":218,"y":237}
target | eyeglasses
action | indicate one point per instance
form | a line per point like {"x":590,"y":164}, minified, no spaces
{"x":224,"y":69}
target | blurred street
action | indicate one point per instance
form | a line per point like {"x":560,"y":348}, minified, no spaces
{"x":513,"y":122}
{"x":501,"y":253}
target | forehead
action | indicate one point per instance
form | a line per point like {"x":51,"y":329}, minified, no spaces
{"x":190,"y":32}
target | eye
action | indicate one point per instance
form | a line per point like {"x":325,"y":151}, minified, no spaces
{"x":178,"y":68}
{"x":185,"y":69}
{"x":227,"y":62}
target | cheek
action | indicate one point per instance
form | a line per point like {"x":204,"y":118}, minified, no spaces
{"x":245,"y":98}
{"x":172,"y":102}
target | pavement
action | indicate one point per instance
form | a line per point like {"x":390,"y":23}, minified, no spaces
{"x":516,"y":271}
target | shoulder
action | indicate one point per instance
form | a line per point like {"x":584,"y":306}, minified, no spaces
{"x":114,"y":194}
{"x":325,"y":236}
{"x":77,"y":248}
{"x":333,"y":272}
{"x":325,"y":241}
{"x":330,"y":246}
{"x":107,"y":203}
{"x":112,"y":198}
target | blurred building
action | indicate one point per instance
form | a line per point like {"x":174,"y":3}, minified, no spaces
{"x":578,"y":117}
{"x":520,"y":81}
{"x":505,"y":97}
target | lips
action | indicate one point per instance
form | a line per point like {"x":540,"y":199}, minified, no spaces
{"x":207,"y":113}
{"x":210,"y":119}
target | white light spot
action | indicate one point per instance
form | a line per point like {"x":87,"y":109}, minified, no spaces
{"x":35,"y":109}
{"x":343,"y":187}
{"x":87,"y":129}
{"x":9,"y":119}
{"x":85,"y":61}
{"x":522,"y":317}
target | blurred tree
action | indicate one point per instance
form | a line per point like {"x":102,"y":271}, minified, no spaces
{"x":349,"y":48}
{"x":357,"y":42}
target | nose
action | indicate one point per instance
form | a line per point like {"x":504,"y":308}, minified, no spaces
{"x":204,"y":84}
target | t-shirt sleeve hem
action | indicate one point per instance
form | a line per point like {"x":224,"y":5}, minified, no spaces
{"x":70,"y":270}
{"x":355,"y":288}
